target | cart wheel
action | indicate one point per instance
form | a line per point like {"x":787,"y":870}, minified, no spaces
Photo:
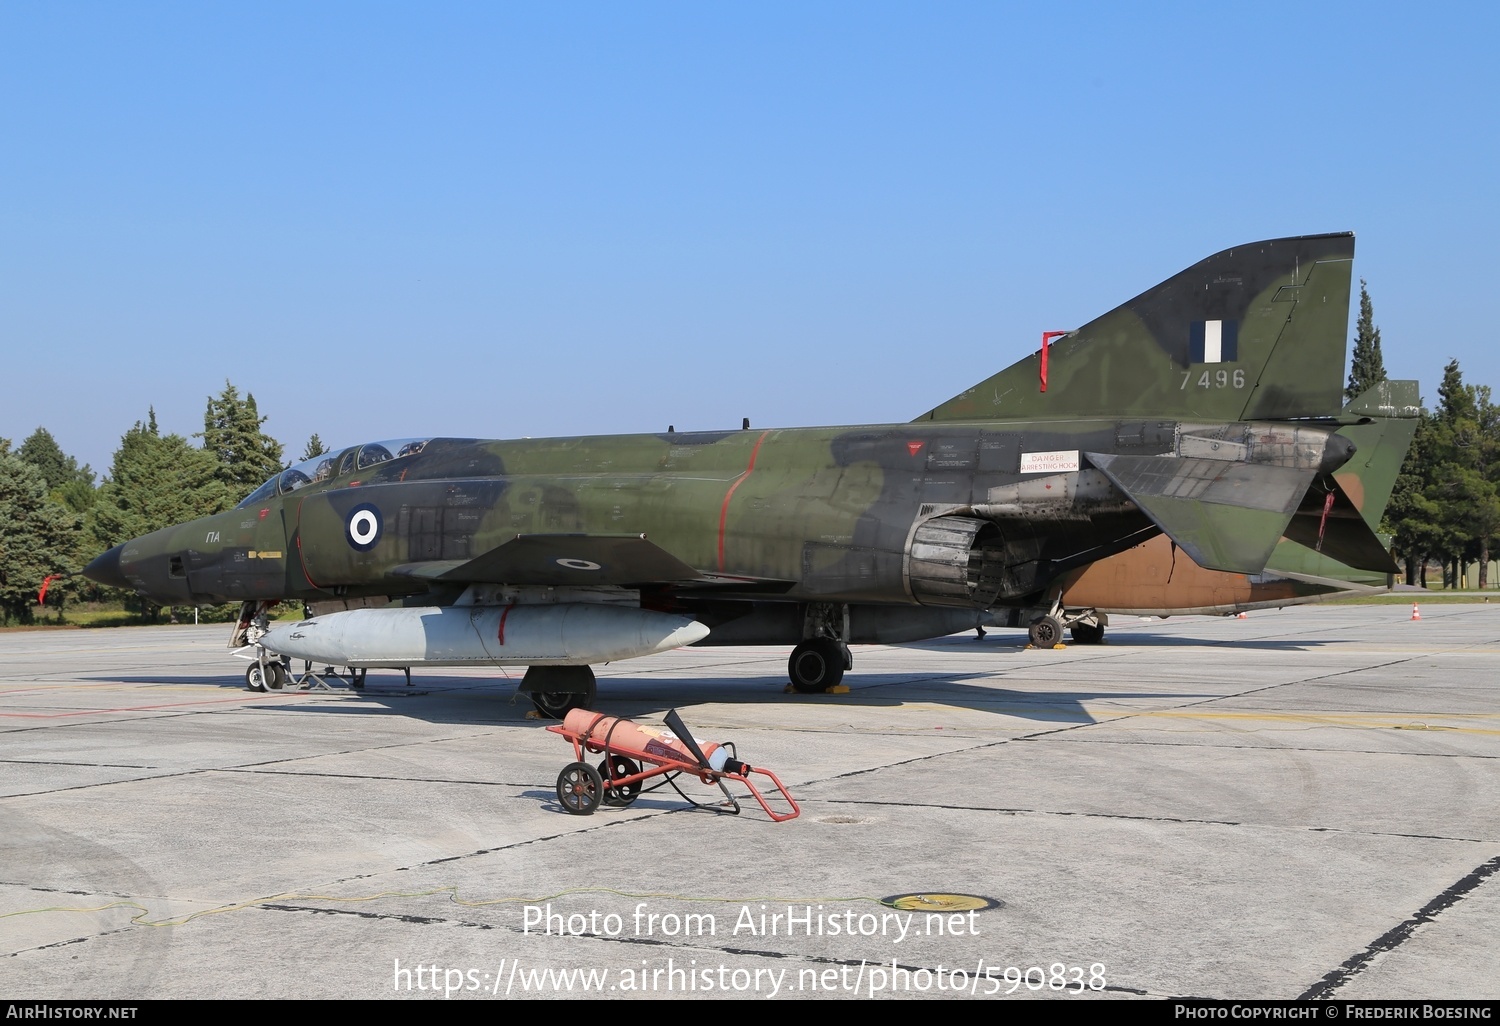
{"x":622,"y":767}
{"x":579,"y":788}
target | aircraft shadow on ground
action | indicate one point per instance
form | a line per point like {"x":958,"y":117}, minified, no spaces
{"x":1123,"y":640}
{"x":453,"y":699}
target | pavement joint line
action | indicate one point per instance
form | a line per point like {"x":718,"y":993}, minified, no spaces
{"x":1335,"y":673}
{"x":319,"y":910}
{"x":1401,"y":932}
{"x":940,"y":755}
{"x":207,"y":770}
{"x":61,"y":944}
{"x":1325,"y":718}
{"x":1185,"y":821}
{"x":105,"y":783}
{"x":374,"y":776}
{"x":365,"y":750}
{"x":1042,"y":735}
{"x":65,"y":762}
{"x":1283,"y":748}
{"x":1251,"y":691}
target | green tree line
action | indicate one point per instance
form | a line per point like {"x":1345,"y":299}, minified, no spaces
{"x":54,"y":518}
{"x":1446,"y":503}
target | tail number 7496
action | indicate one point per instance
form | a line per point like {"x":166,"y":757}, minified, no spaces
{"x":1214,"y":379}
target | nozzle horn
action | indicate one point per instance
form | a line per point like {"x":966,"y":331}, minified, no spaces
{"x":673,"y":721}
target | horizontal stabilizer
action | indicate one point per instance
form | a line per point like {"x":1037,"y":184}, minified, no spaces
{"x":561,"y":560}
{"x":1338,"y":531}
{"x":1389,"y":398}
{"x":1381,"y":443}
{"x":1225,"y":515}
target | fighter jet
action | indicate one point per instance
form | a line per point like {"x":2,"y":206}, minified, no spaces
{"x":1193,"y":410}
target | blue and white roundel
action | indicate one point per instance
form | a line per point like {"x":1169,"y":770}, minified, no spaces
{"x":362,"y":527}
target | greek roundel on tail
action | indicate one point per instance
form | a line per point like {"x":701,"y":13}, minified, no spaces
{"x":1195,"y":410}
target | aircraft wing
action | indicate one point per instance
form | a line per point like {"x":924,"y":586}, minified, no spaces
{"x":561,"y":560}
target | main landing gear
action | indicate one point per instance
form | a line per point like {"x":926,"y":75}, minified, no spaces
{"x":1085,"y":625}
{"x":558,"y":690}
{"x":1088,"y":634}
{"x":1045,"y":631}
{"x":817,"y":665}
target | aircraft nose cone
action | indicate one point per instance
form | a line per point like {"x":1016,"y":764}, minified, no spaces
{"x":105,"y":569}
{"x":1337,"y":451}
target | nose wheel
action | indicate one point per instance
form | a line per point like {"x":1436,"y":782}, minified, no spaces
{"x":266,"y":677}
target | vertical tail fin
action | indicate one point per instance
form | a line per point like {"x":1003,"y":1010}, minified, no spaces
{"x":1257,"y":332}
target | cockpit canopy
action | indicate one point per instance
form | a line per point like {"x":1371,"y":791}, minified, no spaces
{"x":334,"y":464}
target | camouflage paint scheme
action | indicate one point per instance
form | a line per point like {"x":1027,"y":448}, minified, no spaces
{"x":850,"y":534}
{"x":1155,"y":579}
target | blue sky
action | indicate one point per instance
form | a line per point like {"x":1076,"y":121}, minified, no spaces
{"x":506,"y":219}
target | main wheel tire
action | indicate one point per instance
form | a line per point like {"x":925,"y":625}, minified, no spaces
{"x":1046,"y":631}
{"x":1087,"y":634}
{"x":816,"y":666}
{"x":619,"y":766}
{"x":580,"y":788}
{"x":275,"y":677}
{"x":557,"y":704}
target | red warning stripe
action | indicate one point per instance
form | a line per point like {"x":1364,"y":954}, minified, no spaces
{"x":301,"y":562}
{"x":724,"y":508}
{"x":1047,"y":337}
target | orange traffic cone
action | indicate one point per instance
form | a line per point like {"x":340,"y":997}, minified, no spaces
{"x":1416,"y":614}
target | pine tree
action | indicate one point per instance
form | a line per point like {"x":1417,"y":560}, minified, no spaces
{"x":1367,"y":367}
{"x":37,"y":536}
{"x":1456,"y":401}
{"x":1461,"y":485}
{"x":315,"y":447}
{"x":155,"y":481}
{"x":1411,"y":517}
{"x":67,"y":482}
{"x":246,"y":455}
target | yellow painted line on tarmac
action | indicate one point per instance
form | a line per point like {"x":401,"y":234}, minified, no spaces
{"x":1439,"y":722}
